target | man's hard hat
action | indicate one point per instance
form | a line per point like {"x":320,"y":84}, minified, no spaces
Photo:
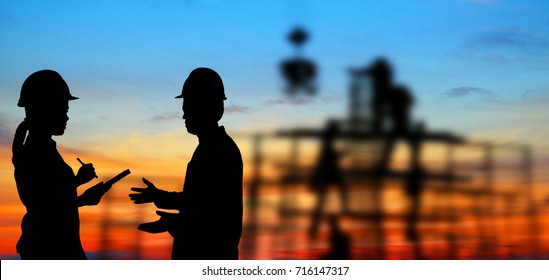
{"x":380,"y":68}
{"x":44,"y":87}
{"x":203,"y":83}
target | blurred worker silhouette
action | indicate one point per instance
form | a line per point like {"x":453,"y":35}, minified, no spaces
{"x":327,"y":172}
{"x":340,"y":244}
{"x":382,"y":80}
{"x":209,"y":222}
{"x":414,"y":188}
{"x":391,"y":107}
{"x":390,"y":103}
{"x":47,"y":186}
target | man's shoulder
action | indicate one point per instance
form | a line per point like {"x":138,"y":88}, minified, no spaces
{"x":230,"y":145}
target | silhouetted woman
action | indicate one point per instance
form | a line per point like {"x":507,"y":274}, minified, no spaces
{"x":46,"y":184}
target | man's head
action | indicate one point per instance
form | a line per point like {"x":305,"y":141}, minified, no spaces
{"x":45,"y":97}
{"x":203,"y":96}
{"x":381,"y":72}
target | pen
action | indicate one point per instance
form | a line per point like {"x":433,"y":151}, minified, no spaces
{"x":84,"y":164}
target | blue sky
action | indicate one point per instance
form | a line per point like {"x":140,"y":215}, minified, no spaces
{"x":466,"y":61}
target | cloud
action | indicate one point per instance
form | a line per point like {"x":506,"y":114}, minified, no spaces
{"x":6,"y":135}
{"x":511,"y":37}
{"x":538,"y":95}
{"x":237,"y":109}
{"x":479,"y":1}
{"x":74,"y":151}
{"x":170,"y":117}
{"x":465,"y":91}
{"x":506,"y":44}
{"x":163,"y":118}
{"x":304,"y":101}
{"x":289,"y":101}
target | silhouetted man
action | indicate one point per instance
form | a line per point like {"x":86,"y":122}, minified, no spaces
{"x":414,"y":188}
{"x":382,"y":83}
{"x":209,"y":222}
{"x":326,"y":173}
{"x":391,"y":104}
{"x":340,"y":243}
{"x":45,"y":183}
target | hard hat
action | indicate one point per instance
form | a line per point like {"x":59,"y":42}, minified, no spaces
{"x":44,"y":87}
{"x":380,"y":68}
{"x":203,"y":83}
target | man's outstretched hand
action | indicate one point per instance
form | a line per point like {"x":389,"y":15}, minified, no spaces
{"x":144,"y":195}
{"x":165,"y":223}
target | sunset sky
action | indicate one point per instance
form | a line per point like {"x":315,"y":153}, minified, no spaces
{"x":479,"y":68}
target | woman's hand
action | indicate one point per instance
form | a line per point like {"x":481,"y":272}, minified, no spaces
{"x":85,"y":174}
{"x":93,"y":195}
